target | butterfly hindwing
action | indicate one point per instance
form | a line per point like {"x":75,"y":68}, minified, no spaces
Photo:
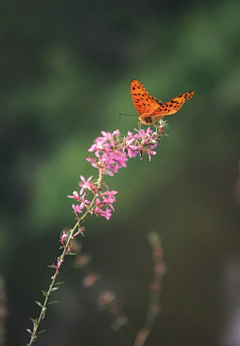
{"x":173,"y":105}
{"x":143,"y":101}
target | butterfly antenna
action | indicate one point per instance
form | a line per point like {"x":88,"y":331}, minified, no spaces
{"x":129,"y":115}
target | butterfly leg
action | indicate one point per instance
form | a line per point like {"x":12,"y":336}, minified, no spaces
{"x":139,"y":125}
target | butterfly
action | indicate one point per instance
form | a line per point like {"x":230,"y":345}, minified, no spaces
{"x":149,"y":108}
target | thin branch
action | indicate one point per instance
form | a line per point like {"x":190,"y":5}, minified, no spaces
{"x":155,"y":288}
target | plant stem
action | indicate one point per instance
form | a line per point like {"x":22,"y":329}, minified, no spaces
{"x":44,"y":306}
{"x":153,"y":306}
{"x":51,"y":289}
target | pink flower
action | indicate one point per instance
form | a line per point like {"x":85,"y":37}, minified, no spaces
{"x":107,"y":213}
{"x":150,"y":152}
{"x":83,"y":260}
{"x":105,"y":199}
{"x":75,"y":195}
{"x":86,"y":184}
{"x":109,"y":157}
{"x":106,"y":297}
{"x":110,"y":136}
{"x":142,"y":134}
{"x":79,"y":198}
{"x":90,"y":280}
{"x":131,"y":149}
{"x":110,"y":199}
{"x":63,"y":237}
{"x":78,"y":208}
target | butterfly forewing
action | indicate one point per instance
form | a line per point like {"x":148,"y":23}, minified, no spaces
{"x":173,"y":105}
{"x":143,"y":101}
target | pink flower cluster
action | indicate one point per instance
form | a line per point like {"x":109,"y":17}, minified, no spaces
{"x":109,"y":153}
{"x":142,"y":143}
{"x":112,"y":151}
{"x":102,"y":204}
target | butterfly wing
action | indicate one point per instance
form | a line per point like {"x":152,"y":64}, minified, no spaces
{"x":143,"y":101}
{"x":172,"y":106}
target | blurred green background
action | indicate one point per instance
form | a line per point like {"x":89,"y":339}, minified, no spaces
{"x":66,"y":68}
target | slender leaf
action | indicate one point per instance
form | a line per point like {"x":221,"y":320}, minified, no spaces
{"x":45,"y":293}
{"x":54,"y":289}
{"x":42,"y":331}
{"x":32,"y":320}
{"x":38,"y":303}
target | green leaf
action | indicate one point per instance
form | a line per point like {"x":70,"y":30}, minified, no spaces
{"x":35,"y":338}
{"x":42,"y":331}
{"x":51,"y":266}
{"x":53,"y":302}
{"x":45,"y":293}
{"x":54,"y":289}
{"x":29,"y":331}
{"x":38,"y":303}
{"x":71,"y":253}
{"x":32,"y":320}
{"x":59,"y":283}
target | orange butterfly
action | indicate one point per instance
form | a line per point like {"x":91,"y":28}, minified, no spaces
{"x":149,"y":108}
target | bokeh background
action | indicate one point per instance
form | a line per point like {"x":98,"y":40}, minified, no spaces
{"x":66,"y":68}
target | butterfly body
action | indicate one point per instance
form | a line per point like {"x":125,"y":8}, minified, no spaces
{"x":147,"y":119}
{"x":149,"y":108}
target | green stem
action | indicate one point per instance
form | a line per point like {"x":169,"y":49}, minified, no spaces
{"x":144,"y":332}
{"x":44,"y":307}
{"x":60,"y":262}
